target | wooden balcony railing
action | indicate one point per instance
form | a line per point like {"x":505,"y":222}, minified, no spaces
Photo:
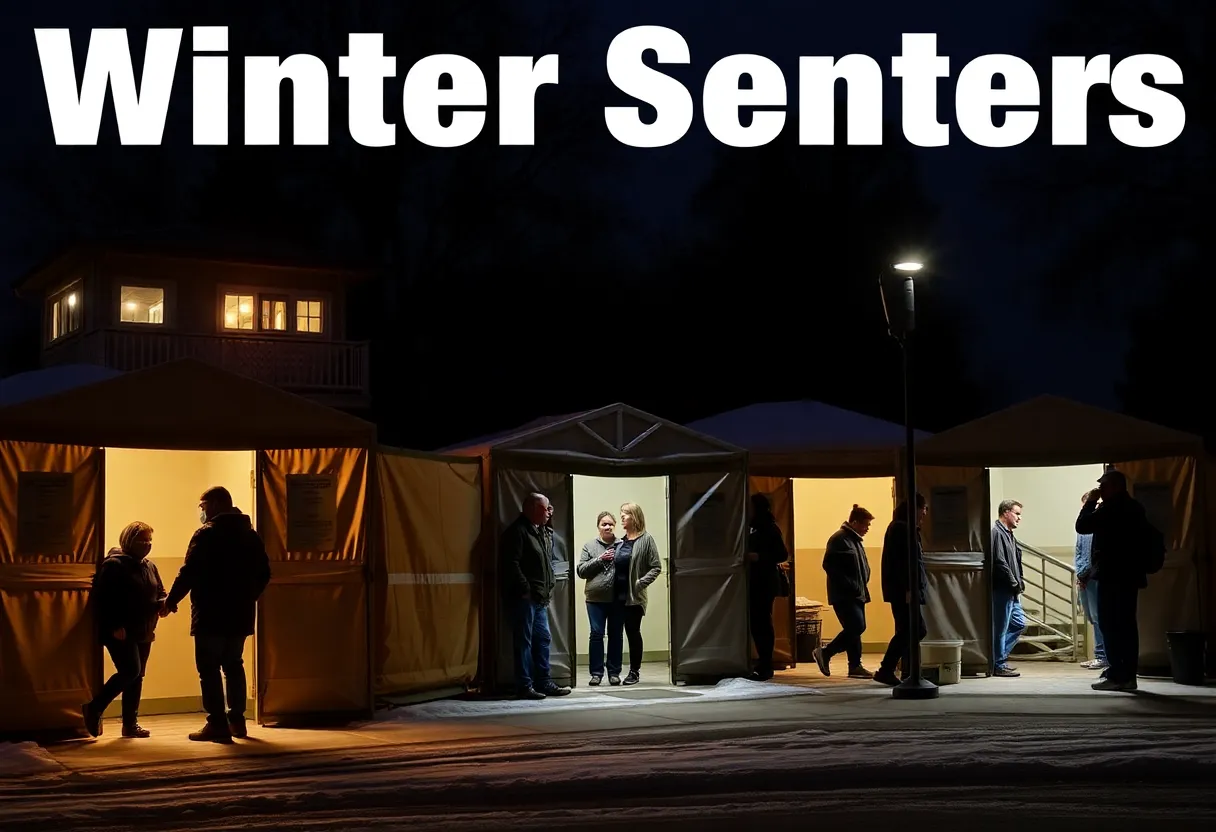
{"x":297,"y":365}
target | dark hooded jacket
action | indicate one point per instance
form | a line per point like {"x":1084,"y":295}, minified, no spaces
{"x":225,"y":572}
{"x":895,"y":560}
{"x":764,"y":538}
{"x":127,"y":592}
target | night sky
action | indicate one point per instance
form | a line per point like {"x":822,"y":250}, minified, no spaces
{"x":1018,"y":337}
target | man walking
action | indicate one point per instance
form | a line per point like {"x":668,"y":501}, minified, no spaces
{"x":898,"y":592}
{"x":1087,"y":587}
{"x":225,"y":572}
{"x":848,"y":571}
{"x":1008,"y":619}
{"x":526,"y":561}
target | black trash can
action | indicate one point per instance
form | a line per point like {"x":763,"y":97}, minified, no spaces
{"x":1187,"y":656}
{"x":806,"y":638}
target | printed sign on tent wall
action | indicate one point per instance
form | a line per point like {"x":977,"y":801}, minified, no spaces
{"x":312,"y":513}
{"x":44,"y":513}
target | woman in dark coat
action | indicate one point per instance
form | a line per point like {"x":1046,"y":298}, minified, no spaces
{"x":765,"y":549}
{"x":129,"y":598}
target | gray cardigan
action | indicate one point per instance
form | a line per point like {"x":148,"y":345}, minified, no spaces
{"x":645,"y":567}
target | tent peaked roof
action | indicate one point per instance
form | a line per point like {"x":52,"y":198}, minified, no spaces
{"x":798,"y":426}
{"x":183,"y":405}
{"x":1050,"y":430}
{"x":616,"y":432}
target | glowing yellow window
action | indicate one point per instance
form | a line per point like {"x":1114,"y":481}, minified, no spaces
{"x":238,"y":311}
{"x":308,"y":316}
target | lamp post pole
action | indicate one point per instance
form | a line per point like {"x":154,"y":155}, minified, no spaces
{"x":915,"y":686}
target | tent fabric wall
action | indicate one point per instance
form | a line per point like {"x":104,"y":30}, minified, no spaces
{"x":312,"y":651}
{"x":50,"y":660}
{"x":959,"y":605}
{"x":780,"y":492}
{"x":427,"y":622}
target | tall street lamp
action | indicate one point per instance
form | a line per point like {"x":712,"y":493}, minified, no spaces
{"x":915,"y":686}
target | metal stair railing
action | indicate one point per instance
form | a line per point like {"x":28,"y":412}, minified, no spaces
{"x":1058,"y":616}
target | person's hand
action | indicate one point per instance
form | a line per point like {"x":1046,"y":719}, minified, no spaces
{"x":120,"y":634}
{"x":1093,"y":496}
{"x":608,"y":556}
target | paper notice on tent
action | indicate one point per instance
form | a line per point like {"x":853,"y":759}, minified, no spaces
{"x":44,"y":513}
{"x":948,"y":517}
{"x":312,"y":512}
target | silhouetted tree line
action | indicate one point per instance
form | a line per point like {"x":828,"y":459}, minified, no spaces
{"x":518,"y":282}
{"x":1128,"y":227}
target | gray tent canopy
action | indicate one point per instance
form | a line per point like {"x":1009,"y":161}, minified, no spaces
{"x":707,"y":496}
{"x":809,"y":439}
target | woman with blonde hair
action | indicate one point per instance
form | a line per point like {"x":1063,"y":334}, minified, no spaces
{"x":636,"y":565}
{"x":129,"y":598}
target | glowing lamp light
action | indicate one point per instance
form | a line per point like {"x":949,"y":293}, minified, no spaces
{"x":230,"y":319}
{"x":72,"y":299}
{"x":244,"y":309}
{"x":908,"y":266}
{"x":131,"y":305}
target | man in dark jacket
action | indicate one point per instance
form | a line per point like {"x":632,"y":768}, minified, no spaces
{"x":898,"y":593}
{"x":848,"y":571}
{"x":526,"y":561}
{"x":1008,"y":620}
{"x":225,"y":572}
{"x":765,"y":550}
{"x":1118,"y":526}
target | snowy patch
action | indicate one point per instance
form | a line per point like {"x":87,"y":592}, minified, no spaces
{"x":19,"y":759}
{"x":590,"y":699}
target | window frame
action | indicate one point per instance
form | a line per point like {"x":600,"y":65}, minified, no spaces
{"x":53,"y":299}
{"x":321,"y":317}
{"x":164,"y":303}
{"x":272,"y":293}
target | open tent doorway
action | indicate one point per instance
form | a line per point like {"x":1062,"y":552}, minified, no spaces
{"x":820,"y":506}
{"x":162,"y":489}
{"x":593,"y":495}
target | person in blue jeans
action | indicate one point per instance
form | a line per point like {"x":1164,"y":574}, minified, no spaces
{"x":526,"y":553}
{"x":1008,"y":620}
{"x":1087,"y":585}
{"x":605,"y":613}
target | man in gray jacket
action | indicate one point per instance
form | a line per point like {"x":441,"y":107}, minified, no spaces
{"x":848,"y":571}
{"x":1008,"y":620}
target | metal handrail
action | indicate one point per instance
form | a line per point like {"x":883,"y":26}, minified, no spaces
{"x":1044,"y":592}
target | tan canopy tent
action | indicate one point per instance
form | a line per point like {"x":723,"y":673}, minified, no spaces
{"x":952,"y":468}
{"x":316,"y":651}
{"x":804,"y":440}
{"x":707,"y":495}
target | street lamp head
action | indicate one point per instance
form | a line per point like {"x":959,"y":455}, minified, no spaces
{"x":908,"y":266}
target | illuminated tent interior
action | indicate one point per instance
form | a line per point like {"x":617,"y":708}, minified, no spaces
{"x":815,"y":461}
{"x":692,"y":489}
{"x":1045,"y":453}
{"x":77,"y":465}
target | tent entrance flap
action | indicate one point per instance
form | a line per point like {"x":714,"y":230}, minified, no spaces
{"x":312,"y":638}
{"x":50,"y":546}
{"x":1173,"y":600}
{"x":426,"y":606}
{"x":780,"y":493}
{"x":709,"y":631}
{"x":958,"y":561}
{"x":513,"y":486}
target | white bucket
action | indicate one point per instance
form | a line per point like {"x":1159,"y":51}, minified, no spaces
{"x":941,"y":662}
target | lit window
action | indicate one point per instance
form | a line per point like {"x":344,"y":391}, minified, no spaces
{"x":308,"y":316}
{"x":65,"y":312}
{"x":238,"y":311}
{"x":274,"y":315}
{"x":142,"y":305}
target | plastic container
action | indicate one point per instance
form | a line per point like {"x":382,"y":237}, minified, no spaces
{"x":1187,"y":656}
{"x":941,"y":662}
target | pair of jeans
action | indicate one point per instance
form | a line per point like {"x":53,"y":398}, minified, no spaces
{"x":130,"y":661}
{"x":614,"y":620}
{"x":760,"y":607}
{"x":852,"y":617}
{"x":531,"y":637}
{"x":1117,"y":607}
{"x":1089,"y":603}
{"x":1008,"y":624}
{"x":213,"y":654}
{"x":900,"y":647}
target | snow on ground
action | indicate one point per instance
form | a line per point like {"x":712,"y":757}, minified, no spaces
{"x":589,"y":698}
{"x":572,"y":778}
{"x":21,"y":759}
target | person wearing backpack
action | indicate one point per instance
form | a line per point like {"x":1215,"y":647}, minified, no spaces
{"x":1121,"y":559}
